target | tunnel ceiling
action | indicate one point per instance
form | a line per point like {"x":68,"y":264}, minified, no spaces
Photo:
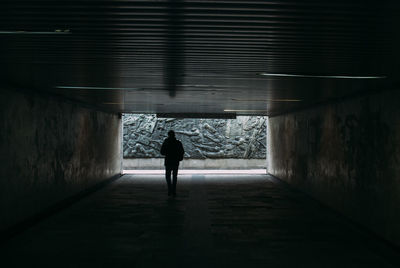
{"x":173,"y":56}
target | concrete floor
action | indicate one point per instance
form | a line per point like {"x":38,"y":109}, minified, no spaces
{"x":215,"y":221}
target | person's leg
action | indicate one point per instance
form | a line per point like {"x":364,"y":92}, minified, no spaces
{"x":168,"y":170}
{"x":175,"y":179}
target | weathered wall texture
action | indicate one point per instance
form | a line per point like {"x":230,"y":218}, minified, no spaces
{"x":50,"y":150}
{"x":346,"y":155}
{"x":243,"y":137}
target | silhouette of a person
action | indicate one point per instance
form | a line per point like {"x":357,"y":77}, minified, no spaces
{"x":173,"y":151}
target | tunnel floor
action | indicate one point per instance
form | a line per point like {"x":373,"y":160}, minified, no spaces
{"x":215,"y":221}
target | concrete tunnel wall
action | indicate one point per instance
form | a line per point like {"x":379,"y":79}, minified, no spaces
{"x":346,"y":155}
{"x":51,"y":150}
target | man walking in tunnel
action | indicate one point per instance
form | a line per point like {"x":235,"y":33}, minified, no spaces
{"x":173,"y":151}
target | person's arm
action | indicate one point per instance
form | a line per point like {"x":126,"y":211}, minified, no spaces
{"x":163,"y":149}
{"x":182,"y":152}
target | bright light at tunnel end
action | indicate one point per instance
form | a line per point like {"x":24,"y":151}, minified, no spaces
{"x":199,"y":171}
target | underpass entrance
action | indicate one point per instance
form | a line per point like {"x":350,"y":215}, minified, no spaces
{"x":217,"y":144}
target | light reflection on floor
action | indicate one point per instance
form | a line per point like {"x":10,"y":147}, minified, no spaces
{"x":200,"y":171}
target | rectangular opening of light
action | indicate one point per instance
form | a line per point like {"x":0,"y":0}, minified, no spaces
{"x":217,"y":143}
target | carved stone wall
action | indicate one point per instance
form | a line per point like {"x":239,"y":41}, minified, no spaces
{"x":243,"y":137}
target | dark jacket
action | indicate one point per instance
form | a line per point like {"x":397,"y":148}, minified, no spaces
{"x":173,"y":151}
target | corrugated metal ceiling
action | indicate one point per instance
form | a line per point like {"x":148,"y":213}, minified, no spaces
{"x":199,"y":56}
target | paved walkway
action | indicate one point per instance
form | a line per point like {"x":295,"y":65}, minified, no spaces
{"x":215,"y":221}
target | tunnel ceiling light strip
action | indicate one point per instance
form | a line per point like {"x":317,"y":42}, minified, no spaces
{"x":98,"y":88}
{"x":229,"y":110}
{"x":131,"y":103}
{"x":139,"y":112}
{"x":30,"y":32}
{"x":264,"y":100}
{"x":209,"y":86}
{"x":198,"y":115}
{"x":322,"y":76}
{"x":118,"y":103}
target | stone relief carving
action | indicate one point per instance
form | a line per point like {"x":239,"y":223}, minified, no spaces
{"x":243,"y":137}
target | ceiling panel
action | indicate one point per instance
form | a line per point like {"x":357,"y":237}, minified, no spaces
{"x":249,"y":57}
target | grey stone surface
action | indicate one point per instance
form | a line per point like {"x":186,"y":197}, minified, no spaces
{"x":243,"y":138}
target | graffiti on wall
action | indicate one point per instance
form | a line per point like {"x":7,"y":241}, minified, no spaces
{"x":243,"y":137}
